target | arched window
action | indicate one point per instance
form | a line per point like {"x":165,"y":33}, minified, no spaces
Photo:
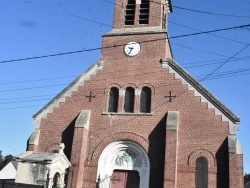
{"x":201,"y":180}
{"x":56,"y":180}
{"x":145,"y":100}
{"x":113,"y":99}
{"x":144,"y":12}
{"x":130,"y":13}
{"x":129,"y":100}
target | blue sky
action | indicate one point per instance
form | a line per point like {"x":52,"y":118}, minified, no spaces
{"x":30,"y":28}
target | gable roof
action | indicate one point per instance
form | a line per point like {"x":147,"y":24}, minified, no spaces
{"x":79,"y":81}
{"x":9,"y":171}
{"x":195,"y":85}
{"x":180,"y":73}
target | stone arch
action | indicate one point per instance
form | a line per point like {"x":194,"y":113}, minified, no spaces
{"x":129,"y":85}
{"x":107,"y":89}
{"x":120,"y":136}
{"x":123,"y":155}
{"x":201,"y":153}
{"x":147,"y":85}
{"x":57,"y":177}
{"x":56,"y":180}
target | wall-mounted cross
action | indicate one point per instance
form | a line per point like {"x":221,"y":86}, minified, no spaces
{"x":170,"y":96}
{"x":90,"y":96}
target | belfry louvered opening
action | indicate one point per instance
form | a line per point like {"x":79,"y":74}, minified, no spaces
{"x":144,"y":12}
{"x":130,"y":13}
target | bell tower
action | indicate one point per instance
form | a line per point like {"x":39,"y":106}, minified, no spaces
{"x":139,"y":30}
{"x":150,"y":15}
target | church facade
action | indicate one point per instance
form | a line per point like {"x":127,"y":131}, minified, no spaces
{"x":137,"y":119}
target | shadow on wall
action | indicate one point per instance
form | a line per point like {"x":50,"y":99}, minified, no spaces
{"x":222,"y":159}
{"x":156,"y":152}
{"x":67,"y":138}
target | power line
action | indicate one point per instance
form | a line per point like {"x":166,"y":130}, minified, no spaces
{"x":186,"y":66}
{"x":209,"y":33}
{"x":67,"y":13}
{"x":50,"y":55}
{"x":225,"y":74}
{"x":99,"y":48}
{"x":38,"y":80}
{"x":29,"y":88}
{"x":24,"y":101}
{"x":20,"y":107}
{"x":211,"y":13}
{"x":216,"y":60}
{"x":187,"y":47}
{"x":216,"y":69}
{"x":245,"y":47}
{"x":18,"y":98}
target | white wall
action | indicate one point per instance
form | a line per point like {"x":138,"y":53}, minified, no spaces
{"x":8,"y":172}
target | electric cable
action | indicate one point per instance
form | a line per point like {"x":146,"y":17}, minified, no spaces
{"x":105,"y":47}
{"x":67,"y":13}
{"x":212,"y":13}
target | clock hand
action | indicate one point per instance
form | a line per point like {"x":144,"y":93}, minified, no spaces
{"x":131,"y":48}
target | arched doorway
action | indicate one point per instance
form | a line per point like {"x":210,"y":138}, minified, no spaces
{"x":123,"y":164}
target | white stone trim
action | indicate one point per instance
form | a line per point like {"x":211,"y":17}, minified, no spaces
{"x":233,"y":127}
{"x":34,"y":138}
{"x":67,"y":93}
{"x":83,"y":119}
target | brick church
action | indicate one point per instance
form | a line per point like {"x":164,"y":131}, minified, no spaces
{"x":136,"y":118}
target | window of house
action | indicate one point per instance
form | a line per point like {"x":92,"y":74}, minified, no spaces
{"x":145,"y":100}
{"x":129,"y":100}
{"x":130,"y":13}
{"x":144,"y":12}
{"x":201,"y":173}
{"x":113,"y":99}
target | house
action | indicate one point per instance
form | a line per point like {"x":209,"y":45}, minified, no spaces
{"x":9,"y":171}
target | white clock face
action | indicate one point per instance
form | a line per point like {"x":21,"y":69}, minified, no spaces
{"x":132,"y":49}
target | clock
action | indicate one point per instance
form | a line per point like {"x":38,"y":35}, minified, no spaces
{"x":132,"y":49}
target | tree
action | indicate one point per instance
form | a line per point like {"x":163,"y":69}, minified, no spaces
{"x":246,"y":178}
{"x":4,"y":160}
{"x":1,"y":160}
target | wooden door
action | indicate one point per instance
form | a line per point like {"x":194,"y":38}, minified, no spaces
{"x":125,"y":179}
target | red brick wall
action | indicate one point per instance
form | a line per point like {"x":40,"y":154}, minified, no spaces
{"x":236,"y":170}
{"x":170,"y":159}
{"x":199,"y":130}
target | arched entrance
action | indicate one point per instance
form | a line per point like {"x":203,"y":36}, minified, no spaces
{"x":123,"y":164}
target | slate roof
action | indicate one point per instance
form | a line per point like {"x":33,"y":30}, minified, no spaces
{"x":14,"y":163}
{"x":37,"y":157}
